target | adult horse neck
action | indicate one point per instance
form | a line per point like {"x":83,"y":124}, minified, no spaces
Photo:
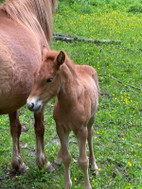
{"x":25,"y":27}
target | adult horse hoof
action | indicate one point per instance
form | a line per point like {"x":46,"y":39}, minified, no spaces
{"x":20,"y":169}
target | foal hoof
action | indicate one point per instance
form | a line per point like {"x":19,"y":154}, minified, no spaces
{"x":56,"y":165}
{"x":95,"y":172}
{"x":49,"y":168}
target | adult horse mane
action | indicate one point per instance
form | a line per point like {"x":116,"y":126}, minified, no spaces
{"x":23,"y":11}
{"x":25,"y":27}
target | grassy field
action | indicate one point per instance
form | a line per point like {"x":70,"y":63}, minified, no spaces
{"x":118,"y":126}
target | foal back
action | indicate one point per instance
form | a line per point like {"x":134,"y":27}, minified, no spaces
{"x":89,"y":79}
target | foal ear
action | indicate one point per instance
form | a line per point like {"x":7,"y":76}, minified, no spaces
{"x":44,"y":53}
{"x":60,"y":58}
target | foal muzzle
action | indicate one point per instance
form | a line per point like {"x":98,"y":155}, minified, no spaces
{"x":34,"y":104}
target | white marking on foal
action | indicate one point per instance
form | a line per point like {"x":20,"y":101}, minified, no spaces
{"x":34,"y":104}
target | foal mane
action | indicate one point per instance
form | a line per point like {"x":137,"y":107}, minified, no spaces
{"x":27,"y":12}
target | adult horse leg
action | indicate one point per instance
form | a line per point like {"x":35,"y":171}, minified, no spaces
{"x":83,"y":159}
{"x":90,"y":144}
{"x":41,"y":160}
{"x":15,"y":127}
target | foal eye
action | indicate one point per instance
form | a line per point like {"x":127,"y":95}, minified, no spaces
{"x":49,"y":80}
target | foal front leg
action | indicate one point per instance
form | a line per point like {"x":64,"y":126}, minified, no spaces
{"x":41,"y":160}
{"x":64,"y":154}
{"x":83,"y":159}
{"x":15,"y":128}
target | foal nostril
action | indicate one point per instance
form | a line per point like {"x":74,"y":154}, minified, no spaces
{"x":31,"y":106}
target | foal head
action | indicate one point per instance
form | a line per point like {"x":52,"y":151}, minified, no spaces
{"x":46,"y":79}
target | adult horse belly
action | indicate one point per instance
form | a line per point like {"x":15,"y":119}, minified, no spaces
{"x":10,"y":103}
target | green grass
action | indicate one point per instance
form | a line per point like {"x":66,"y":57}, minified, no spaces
{"x":118,"y":127}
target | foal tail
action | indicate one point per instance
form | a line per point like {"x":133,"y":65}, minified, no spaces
{"x":95,"y":77}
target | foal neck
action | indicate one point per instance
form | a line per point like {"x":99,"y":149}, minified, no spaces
{"x":67,"y":95}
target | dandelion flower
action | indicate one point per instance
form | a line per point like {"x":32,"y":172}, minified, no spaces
{"x":129,"y":163}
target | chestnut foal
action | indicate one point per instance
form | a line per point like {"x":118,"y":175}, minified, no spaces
{"x":77,"y":91}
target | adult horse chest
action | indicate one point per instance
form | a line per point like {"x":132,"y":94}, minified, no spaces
{"x":18,"y":51}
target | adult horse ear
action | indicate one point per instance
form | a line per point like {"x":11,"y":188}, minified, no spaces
{"x":44,"y":53}
{"x":60,"y":58}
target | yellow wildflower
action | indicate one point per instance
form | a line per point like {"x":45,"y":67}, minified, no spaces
{"x":129,"y":163}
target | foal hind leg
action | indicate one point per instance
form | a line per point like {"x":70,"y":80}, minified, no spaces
{"x":58,"y":159}
{"x":83,"y":159}
{"x":41,"y":160}
{"x":90,"y":144}
{"x":15,"y":128}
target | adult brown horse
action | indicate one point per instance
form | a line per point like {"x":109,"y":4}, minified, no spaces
{"x":25,"y":26}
